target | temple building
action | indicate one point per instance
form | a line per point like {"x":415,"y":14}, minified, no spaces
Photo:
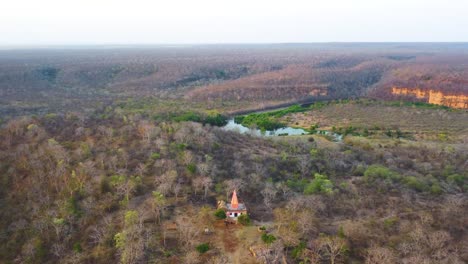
{"x":235,"y":209}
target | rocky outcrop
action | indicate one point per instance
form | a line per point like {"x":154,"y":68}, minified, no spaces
{"x":318,"y":92}
{"x":433,"y":97}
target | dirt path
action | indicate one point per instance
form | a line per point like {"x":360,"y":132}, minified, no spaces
{"x":228,"y":240}
{"x":227,"y":236}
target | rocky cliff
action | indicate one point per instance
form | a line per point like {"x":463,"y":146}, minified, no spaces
{"x":433,"y":97}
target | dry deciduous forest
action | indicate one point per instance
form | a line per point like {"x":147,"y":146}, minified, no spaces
{"x":120,"y":155}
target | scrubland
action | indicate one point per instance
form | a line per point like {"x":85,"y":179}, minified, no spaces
{"x":118,"y":156}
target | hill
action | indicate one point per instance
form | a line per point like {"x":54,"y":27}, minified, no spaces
{"x":120,"y":155}
{"x":51,"y":80}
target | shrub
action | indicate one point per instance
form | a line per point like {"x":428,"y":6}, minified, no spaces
{"x":320,"y":184}
{"x":202,"y":248}
{"x":297,"y":185}
{"x":39,"y":250}
{"x":105,"y":186}
{"x":119,"y":240}
{"x":131,"y":218}
{"x":359,"y":170}
{"x":436,"y":189}
{"x":189,"y":116}
{"x":341,"y":233}
{"x":390,"y":222}
{"x":268,"y":239}
{"x":73,"y":207}
{"x":220,"y":214}
{"x":456,"y":179}
{"x":414,"y":183}
{"x":297,"y":251}
{"x":192,"y":168}
{"x":374,"y":172}
{"x":243,"y":219}
{"x":77,"y":247}
{"x":155,"y":155}
{"x":215,"y":120}
{"x":442,"y":137}
{"x":313,"y":128}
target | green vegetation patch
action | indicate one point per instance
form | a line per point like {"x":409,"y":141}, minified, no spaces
{"x":244,"y":219}
{"x":268,"y":120}
{"x":262,"y":121}
{"x":320,"y":184}
{"x":268,"y":239}
{"x":220,"y":214}
{"x":212,"y":119}
{"x":375,"y":172}
{"x":202,"y":248}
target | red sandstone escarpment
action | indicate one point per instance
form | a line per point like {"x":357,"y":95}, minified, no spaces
{"x":433,"y":97}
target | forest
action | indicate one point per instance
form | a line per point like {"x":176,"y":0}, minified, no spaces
{"x":120,"y":155}
{"x":225,"y":78}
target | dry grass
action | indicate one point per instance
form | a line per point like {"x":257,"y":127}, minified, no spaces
{"x":408,"y":119}
{"x":234,"y":241}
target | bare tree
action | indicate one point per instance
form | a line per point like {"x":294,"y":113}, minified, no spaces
{"x":197,"y":184}
{"x":286,"y":192}
{"x":58,"y":249}
{"x":207,"y":182}
{"x":176,"y":189}
{"x":187,"y":157}
{"x":147,"y":131}
{"x":187,"y":230}
{"x":231,"y":185}
{"x":437,"y":242}
{"x":166,"y":181}
{"x":273,"y":254}
{"x":307,"y":221}
{"x":331,"y":248}
{"x":416,"y":259}
{"x":157,"y":204}
{"x":303,"y":165}
{"x":269,"y":195}
{"x":380,"y":255}
{"x":192,"y":257}
{"x":202,"y":183}
{"x":203,"y":168}
{"x":141,"y":169}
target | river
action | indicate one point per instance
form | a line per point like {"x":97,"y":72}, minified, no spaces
{"x":285,"y":131}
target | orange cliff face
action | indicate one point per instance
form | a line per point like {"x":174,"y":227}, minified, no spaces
{"x":318,"y":92}
{"x":434,"y":97}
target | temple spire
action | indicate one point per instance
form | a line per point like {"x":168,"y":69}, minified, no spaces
{"x":234,"y":202}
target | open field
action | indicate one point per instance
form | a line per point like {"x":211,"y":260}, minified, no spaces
{"x":419,"y":121}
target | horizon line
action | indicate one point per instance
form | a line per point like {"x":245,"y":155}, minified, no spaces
{"x":168,"y":44}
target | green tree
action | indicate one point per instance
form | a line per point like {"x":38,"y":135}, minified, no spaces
{"x":320,"y":184}
{"x":130,"y":242}
{"x":220,"y":214}
{"x":374,"y":172}
{"x":243,"y":219}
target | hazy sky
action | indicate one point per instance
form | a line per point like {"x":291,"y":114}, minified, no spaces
{"x":56,"y":22}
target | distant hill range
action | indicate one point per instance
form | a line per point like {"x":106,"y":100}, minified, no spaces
{"x":53,"y":79}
